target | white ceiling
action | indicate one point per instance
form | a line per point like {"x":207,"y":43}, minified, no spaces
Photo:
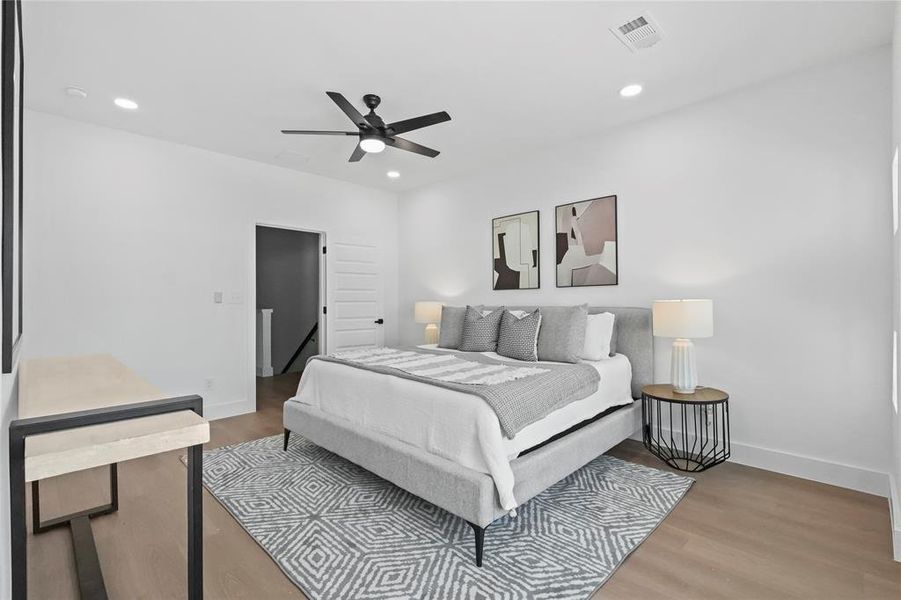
{"x":513,"y":76}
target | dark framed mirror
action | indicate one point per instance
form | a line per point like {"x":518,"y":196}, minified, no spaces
{"x":13,"y":66}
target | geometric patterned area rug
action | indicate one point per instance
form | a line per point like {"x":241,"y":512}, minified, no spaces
{"x":339,"y":531}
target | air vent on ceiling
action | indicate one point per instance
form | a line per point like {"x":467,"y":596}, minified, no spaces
{"x":638,"y":34}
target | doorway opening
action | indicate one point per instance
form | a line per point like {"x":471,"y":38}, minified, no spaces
{"x":290,"y":324}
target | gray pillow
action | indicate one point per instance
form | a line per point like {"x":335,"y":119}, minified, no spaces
{"x":451,"y":333}
{"x":480,"y":333}
{"x":562,"y":334}
{"x":518,"y":337}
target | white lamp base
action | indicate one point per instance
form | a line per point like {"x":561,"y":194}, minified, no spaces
{"x":684,"y":370}
{"x":431,"y":333}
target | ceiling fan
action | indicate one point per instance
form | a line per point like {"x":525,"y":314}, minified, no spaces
{"x":374,"y":134}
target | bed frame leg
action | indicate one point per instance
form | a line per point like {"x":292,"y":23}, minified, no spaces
{"x":287,"y":435}
{"x":480,"y":541}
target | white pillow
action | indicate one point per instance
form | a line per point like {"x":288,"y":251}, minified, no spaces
{"x":598,"y":332}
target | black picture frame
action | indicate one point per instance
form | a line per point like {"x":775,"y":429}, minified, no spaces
{"x":615,"y":235}
{"x":536,"y":253}
{"x":13,"y":72}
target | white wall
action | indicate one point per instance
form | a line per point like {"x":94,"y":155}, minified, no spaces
{"x":128,"y":237}
{"x":771,"y":201}
{"x":895,"y":496}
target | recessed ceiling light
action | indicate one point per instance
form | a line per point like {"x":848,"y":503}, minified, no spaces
{"x":633,"y":89}
{"x":393,"y":174}
{"x":76,"y":92}
{"x":126,"y":103}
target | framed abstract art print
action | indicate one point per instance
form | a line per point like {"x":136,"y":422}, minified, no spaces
{"x":516,"y":252}
{"x":586,"y":244}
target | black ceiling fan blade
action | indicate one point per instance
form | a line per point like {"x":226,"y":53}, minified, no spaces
{"x":409,"y":146}
{"x":306,"y":132}
{"x":358,"y":153}
{"x":418,"y":122}
{"x":349,"y":110}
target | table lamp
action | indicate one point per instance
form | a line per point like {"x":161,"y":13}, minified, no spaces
{"x":683,"y":320}
{"x":430,"y":313}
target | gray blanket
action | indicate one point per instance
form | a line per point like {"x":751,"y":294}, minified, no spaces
{"x":519,"y":393}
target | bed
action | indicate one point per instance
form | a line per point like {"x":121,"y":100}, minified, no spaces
{"x":447,"y":446}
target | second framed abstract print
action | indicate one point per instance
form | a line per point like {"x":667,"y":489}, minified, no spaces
{"x":586,"y":243}
{"x":516,"y":252}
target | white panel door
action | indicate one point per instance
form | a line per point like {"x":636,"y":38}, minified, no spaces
{"x":356,"y":305}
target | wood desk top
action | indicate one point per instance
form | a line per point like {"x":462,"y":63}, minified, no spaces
{"x":50,"y":386}
{"x":665,"y":391}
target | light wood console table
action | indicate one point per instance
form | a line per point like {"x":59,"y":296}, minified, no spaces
{"x":82,"y":412}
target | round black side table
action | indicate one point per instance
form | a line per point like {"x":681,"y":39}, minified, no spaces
{"x":689,"y":432}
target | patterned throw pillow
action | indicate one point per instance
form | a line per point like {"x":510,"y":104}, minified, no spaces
{"x":518,"y":337}
{"x":480,"y":331}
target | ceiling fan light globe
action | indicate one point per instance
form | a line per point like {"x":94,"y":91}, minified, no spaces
{"x":373,"y":145}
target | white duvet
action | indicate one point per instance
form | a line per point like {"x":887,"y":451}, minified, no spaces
{"x":454,"y":425}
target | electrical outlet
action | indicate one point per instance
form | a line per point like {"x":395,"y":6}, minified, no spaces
{"x":209,"y":383}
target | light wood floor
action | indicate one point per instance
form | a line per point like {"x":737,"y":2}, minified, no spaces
{"x":739,"y":533}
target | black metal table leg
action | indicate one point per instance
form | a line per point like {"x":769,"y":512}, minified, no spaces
{"x":87,"y":563}
{"x":195,"y":522}
{"x":80,"y":522}
{"x":17,"y":527}
{"x":38,"y":526}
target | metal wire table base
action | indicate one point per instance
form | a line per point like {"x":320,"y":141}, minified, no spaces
{"x":688,"y":436}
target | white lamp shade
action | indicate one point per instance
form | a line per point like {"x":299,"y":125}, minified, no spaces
{"x":427,"y":312}
{"x":683,"y":318}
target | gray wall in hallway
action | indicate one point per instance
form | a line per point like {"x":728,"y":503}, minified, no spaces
{"x":288,"y":283}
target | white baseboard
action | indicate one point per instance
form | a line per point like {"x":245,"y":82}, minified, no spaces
{"x":264,"y":371}
{"x":227,"y":409}
{"x":808,"y":467}
{"x":894,"y":508}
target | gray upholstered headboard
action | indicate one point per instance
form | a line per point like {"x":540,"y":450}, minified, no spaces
{"x":634,"y":338}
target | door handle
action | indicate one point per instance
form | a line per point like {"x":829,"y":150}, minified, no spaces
{"x":380,"y":321}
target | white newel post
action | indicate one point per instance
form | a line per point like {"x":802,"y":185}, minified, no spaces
{"x":264,"y":342}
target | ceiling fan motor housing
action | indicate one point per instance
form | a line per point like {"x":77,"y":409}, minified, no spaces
{"x":371,"y":101}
